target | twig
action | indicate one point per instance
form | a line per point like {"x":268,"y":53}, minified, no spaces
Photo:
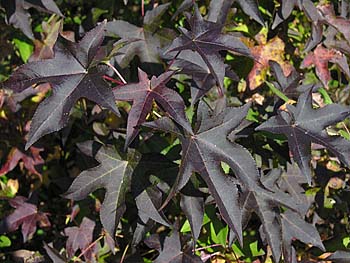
{"x":116,"y":72}
{"x":124,"y":253}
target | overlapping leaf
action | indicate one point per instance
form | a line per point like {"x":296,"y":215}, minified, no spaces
{"x":142,"y":95}
{"x":145,"y":42}
{"x":80,"y":238}
{"x":25,"y":215}
{"x":302,"y":125}
{"x":272,"y":50}
{"x":172,"y":251}
{"x":320,"y":58}
{"x":114,"y":175}
{"x":18,"y":16}
{"x":73,"y":74}
{"x":30,"y":160}
{"x":206,"y":39}
{"x":204,"y":150}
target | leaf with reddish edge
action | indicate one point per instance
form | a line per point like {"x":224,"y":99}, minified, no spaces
{"x":25,"y":215}
{"x":81,"y":238}
{"x":272,"y":50}
{"x":320,"y":58}
{"x":73,"y":74}
{"x":340,"y":23}
{"x":142,"y":95}
{"x":29,"y":159}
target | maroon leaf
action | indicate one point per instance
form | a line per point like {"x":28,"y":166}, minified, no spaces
{"x":142,"y":95}
{"x":320,"y":58}
{"x":80,"y":238}
{"x":30,"y":160}
{"x":25,"y":215}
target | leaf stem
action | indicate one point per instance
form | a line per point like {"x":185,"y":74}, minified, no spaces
{"x":113,"y":80}
{"x":277,"y":92}
{"x":90,"y":246}
{"x":124,"y":253}
{"x":172,"y":61}
{"x":116,"y":72}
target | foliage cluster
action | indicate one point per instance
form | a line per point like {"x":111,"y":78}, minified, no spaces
{"x":174,"y":131}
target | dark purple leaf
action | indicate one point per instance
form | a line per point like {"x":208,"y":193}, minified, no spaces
{"x":193,"y":207}
{"x":250,"y":7}
{"x":206,"y":39}
{"x":172,"y":251}
{"x":303,"y":124}
{"x":151,"y":38}
{"x":18,"y":16}
{"x":73,"y":74}
{"x":114,"y":175}
{"x":80,"y":238}
{"x":340,"y":256}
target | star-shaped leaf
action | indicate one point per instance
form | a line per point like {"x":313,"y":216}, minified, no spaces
{"x":206,"y":39}
{"x":192,"y":64}
{"x":302,"y":125}
{"x":272,"y":50}
{"x":142,"y":95}
{"x":114,"y":175}
{"x":295,"y":227}
{"x":320,"y":58}
{"x":80,"y":238}
{"x":204,"y":150}
{"x":172,"y":251}
{"x":30,"y":160}
{"x":25,"y":215}
{"x":18,"y":16}
{"x":151,"y":39}
{"x":286,"y":83}
{"x":73,"y":74}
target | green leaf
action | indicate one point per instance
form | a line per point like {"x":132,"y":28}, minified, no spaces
{"x":4,"y":241}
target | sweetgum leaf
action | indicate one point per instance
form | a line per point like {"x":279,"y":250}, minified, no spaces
{"x":303,"y":124}
{"x":148,"y":202}
{"x":286,"y":83}
{"x":18,"y":16}
{"x":54,"y":254}
{"x":206,"y":39}
{"x":250,"y":7}
{"x":30,"y":160}
{"x":340,"y":256}
{"x":310,"y":10}
{"x":25,"y":215}
{"x":80,"y":238}
{"x":142,"y":95}
{"x":193,"y":207}
{"x":114,"y":175}
{"x":272,"y":50}
{"x":294,"y":227}
{"x":320,"y":58}
{"x":151,"y":38}
{"x":172,"y":251}
{"x":193,"y":65}
{"x":204,"y":150}
{"x":73,"y":74}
